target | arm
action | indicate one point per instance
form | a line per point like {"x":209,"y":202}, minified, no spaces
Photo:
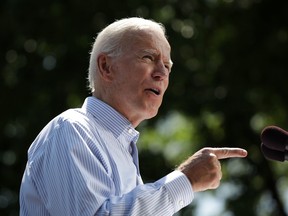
{"x":163,"y":197}
{"x":74,"y":179}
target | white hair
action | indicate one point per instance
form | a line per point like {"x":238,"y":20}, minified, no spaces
{"x":110,"y":41}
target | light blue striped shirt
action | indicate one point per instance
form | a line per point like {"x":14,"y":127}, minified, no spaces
{"x":81,"y":164}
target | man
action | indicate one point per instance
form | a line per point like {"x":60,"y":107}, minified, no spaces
{"x":85,"y":161}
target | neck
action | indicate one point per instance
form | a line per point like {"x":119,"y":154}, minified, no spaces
{"x":134,"y":120}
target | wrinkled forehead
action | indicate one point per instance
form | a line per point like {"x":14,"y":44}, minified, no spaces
{"x":147,"y":38}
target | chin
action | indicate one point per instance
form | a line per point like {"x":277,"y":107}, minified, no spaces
{"x":152,"y":114}
{"x":150,"y":111}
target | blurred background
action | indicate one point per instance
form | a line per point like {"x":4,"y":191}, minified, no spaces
{"x":228,"y":82}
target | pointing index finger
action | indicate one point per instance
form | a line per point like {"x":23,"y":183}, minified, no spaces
{"x":222,"y":153}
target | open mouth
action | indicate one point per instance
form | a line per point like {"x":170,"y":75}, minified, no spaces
{"x":154,"y":90}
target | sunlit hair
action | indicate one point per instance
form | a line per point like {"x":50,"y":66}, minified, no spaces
{"x":111,"y":41}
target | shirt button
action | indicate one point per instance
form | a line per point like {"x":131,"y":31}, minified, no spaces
{"x":181,"y":203}
{"x":130,"y":131}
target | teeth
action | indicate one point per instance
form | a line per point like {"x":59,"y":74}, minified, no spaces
{"x":156,"y":91}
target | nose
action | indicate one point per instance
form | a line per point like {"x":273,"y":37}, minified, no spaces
{"x":160,"y":71}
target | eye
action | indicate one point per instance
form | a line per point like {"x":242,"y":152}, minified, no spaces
{"x":167,"y":66}
{"x":149,"y":57}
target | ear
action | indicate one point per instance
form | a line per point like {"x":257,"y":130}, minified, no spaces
{"x":104,"y":66}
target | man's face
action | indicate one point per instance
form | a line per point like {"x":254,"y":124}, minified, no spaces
{"x":141,"y":76}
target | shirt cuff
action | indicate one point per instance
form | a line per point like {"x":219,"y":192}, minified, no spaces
{"x":179,"y":188}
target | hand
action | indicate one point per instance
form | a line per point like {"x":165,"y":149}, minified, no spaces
{"x":203,"y":169}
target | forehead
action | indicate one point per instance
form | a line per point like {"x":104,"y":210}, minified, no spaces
{"x":148,"y":39}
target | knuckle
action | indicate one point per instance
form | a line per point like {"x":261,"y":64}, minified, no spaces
{"x":212,"y":158}
{"x":206,"y":150}
{"x":225,"y":152}
{"x":215,"y":185}
{"x":216,"y":180}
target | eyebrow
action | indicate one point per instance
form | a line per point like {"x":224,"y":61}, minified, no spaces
{"x":156,"y":53}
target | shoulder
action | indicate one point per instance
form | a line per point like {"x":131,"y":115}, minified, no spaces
{"x":74,"y":120}
{"x":75,"y":116}
{"x":69,"y":122}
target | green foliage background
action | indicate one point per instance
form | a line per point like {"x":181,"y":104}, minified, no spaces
{"x":229,"y":81}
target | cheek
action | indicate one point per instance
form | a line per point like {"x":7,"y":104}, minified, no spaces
{"x":127,"y":84}
{"x":166,"y":84}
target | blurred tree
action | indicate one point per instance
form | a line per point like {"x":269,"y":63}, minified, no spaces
{"x":228,"y":82}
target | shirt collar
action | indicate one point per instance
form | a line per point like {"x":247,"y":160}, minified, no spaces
{"x":111,"y":119}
